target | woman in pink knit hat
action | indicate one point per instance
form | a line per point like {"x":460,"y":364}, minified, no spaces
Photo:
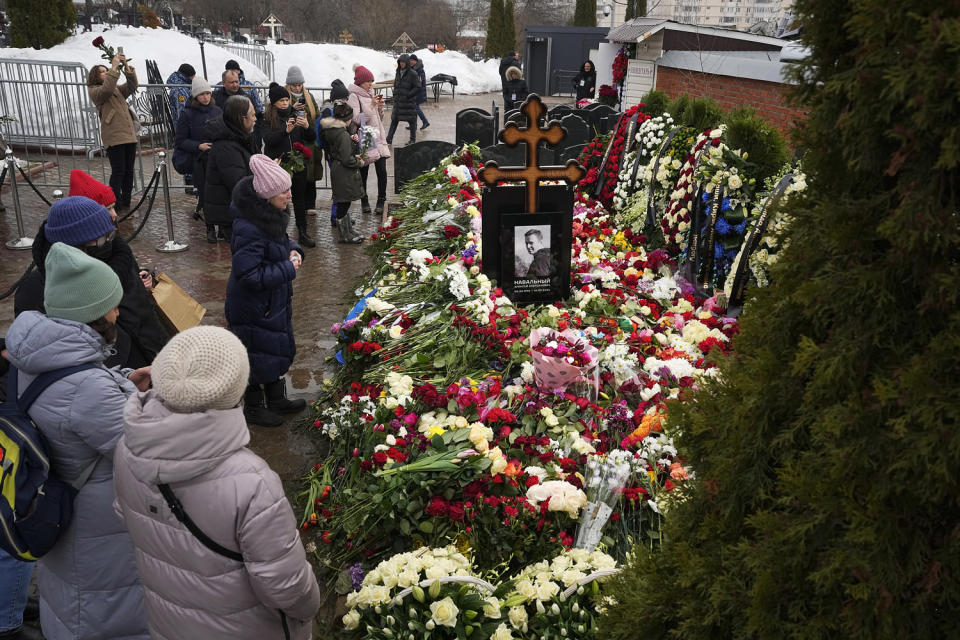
{"x":259,"y":304}
{"x":368,"y":111}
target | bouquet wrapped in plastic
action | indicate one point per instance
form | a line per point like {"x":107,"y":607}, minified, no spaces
{"x":562,"y":359}
{"x":605,"y":479}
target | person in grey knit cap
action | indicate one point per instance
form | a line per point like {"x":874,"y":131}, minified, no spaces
{"x":304,"y":102}
{"x":189,"y":434}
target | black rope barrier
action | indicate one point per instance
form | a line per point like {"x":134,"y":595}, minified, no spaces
{"x":153,"y":197}
{"x":33,"y":186}
{"x":9,"y":292}
{"x":154,"y":182}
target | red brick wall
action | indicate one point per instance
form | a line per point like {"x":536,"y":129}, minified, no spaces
{"x":768,"y":98}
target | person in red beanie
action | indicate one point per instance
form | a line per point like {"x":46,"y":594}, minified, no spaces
{"x":83,"y":184}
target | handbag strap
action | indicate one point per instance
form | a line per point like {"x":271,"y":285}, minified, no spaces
{"x":176,"y":507}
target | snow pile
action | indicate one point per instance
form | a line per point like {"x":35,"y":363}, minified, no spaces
{"x":320,"y":63}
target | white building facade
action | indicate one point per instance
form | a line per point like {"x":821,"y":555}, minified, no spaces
{"x":741,"y":15}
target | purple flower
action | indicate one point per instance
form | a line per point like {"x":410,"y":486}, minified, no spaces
{"x":356,"y":576}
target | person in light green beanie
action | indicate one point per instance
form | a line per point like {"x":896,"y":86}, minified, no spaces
{"x":81,"y":419}
{"x":78,"y":287}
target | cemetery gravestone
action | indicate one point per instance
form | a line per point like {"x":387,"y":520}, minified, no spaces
{"x":416,"y":159}
{"x":474,"y":126}
{"x":528,"y":228}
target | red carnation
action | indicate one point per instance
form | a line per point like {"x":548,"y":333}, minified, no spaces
{"x":451,"y":231}
{"x":455,"y":511}
{"x":380,"y":458}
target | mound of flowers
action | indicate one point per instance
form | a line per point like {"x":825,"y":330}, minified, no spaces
{"x":438,"y":430}
{"x":436,"y":593}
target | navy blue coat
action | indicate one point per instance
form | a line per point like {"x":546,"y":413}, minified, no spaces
{"x":422,"y":75}
{"x":259,"y":304}
{"x":191,"y":133}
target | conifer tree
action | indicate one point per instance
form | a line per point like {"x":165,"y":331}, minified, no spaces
{"x":40,"y":25}
{"x":827,"y":499}
{"x":635,"y":9}
{"x":509,"y":28}
{"x":585,"y":13}
{"x":494,"y":44}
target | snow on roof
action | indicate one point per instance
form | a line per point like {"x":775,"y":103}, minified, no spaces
{"x":767,"y":66}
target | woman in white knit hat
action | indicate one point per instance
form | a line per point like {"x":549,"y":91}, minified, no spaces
{"x":214,"y":536}
{"x":259,"y":304}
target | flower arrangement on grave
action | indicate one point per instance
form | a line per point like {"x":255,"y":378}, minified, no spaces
{"x":562,"y":359}
{"x":108,"y":52}
{"x":620,"y":66}
{"x":607,"y":94}
{"x":728,"y":187}
{"x":675,"y":222}
{"x":436,"y":411}
{"x":774,"y":238}
{"x":632,"y":180}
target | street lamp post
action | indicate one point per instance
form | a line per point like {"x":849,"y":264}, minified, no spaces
{"x":203,"y":57}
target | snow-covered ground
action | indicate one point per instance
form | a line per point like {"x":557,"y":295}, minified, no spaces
{"x":320,"y":63}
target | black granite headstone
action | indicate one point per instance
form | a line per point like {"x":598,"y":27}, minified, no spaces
{"x":559,"y":111}
{"x":572,"y":152}
{"x":598,"y":114}
{"x":578,"y":130}
{"x":416,"y":159}
{"x":504,"y":155}
{"x":475,"y":125}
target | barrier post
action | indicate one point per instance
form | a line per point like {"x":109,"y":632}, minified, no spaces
{"x":171,"y":245}
{"x":57,"y":195}
{"x":22,"y":241}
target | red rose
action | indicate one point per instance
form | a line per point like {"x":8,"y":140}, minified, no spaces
{"x":437,"y":507}
{"x":532,"y":480}
{"x":98,"y":41}
{"x":380,"y":458}
{"x":455,"y":511}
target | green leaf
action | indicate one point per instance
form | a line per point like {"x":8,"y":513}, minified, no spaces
{"x":426,"y":526}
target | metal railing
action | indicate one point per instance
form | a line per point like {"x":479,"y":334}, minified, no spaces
{"x":255,"y":54}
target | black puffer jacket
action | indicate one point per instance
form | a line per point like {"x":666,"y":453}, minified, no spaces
{"x":276,"y":140}
{"x":586,"y":81}
{"x":228,"y":161}
{"x":406,"y":87}
{"x":140,"y":336}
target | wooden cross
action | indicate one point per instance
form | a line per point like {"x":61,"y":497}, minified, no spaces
{"x":404,"y":42}
{"x":532,"y":135}
{"x":273,"y":24}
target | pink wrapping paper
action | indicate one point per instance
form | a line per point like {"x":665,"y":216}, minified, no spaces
{"x":552,"y":372}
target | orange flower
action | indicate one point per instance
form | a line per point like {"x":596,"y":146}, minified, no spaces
{"x":677,"y":472}
{"x":650,"y":422}
{"x":513,"y":468}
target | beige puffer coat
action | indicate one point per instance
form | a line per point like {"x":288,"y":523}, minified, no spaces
{"x":233,"y":497}
{"x":116,"y":119}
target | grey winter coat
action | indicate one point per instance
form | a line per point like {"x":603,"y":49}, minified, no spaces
{"x":345,"y":166}
{"x":89,"y":584}
{"x":234,"y":498}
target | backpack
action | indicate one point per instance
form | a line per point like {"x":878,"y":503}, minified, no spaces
{"x":35,"y":505}
{"x":326,"y":111}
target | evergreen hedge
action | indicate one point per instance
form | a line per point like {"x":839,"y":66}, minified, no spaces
{"x":827,"y":454}
{"x":495,"y":27}
{"x":40,"y":25}
{"x":509,"y":28}
{"x":762,"y":141}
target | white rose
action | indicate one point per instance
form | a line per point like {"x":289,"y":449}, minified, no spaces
{"x":396,"y":331}
{"x":570,"y":577}
{"x":502,"y":633}
{"x":734,"y":182}
{"x":352,"y":620}
{"x":444,"y":612}
{"x":492,"y":608}
{"x":547,"y":590}
{"x":518,"y":618}
{"x":526,"y":589}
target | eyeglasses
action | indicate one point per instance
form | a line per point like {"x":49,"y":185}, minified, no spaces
{"x":102,"y":240}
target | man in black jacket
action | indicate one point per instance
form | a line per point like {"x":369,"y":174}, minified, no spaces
{"x":406,"y":86}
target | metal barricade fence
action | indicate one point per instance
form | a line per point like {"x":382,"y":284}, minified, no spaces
{"x":255,"y":54}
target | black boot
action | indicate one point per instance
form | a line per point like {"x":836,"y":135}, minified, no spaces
{"x":226,"y":230}
{"x":365,"y":204}
{"x":255,"y":408}
{"x":212,"y":233}
{"x":277,"y":400}
{"x":305,"y":238}
{"x":379,"y":208}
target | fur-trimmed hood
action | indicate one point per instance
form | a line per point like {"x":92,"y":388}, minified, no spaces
{"x":250,"y":206}
{"x":332,"y":123}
